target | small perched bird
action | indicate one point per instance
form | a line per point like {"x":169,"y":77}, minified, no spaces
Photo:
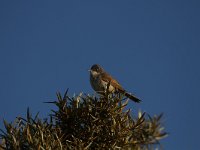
{"x":101,"y":81}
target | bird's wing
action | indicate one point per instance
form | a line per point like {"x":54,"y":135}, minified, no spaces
{"x":108,"y":78}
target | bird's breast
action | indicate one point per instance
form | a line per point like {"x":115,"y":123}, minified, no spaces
{"x":95,"y":83}
{"x":99,"y":85}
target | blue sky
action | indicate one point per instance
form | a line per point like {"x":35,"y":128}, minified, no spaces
{"x":151,"y":46}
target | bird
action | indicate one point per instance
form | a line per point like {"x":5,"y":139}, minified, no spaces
{"x":101,"y":81}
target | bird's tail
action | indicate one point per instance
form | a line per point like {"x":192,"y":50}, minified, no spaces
{"x":132,"y":97}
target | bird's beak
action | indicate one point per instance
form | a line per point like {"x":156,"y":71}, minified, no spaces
{"x":89,"y":70}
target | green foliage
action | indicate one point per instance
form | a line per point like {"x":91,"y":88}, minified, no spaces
{"x":85,"y":122}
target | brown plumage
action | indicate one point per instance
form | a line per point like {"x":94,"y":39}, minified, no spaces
{"x":99,"y":80}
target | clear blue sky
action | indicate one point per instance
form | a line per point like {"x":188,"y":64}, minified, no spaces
{"x":151,"y":46}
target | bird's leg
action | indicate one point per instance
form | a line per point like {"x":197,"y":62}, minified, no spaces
{"x":107,"y":87}
{"x":107,"y":91}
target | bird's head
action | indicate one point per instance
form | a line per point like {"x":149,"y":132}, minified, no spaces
{"x":96,"y":70}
